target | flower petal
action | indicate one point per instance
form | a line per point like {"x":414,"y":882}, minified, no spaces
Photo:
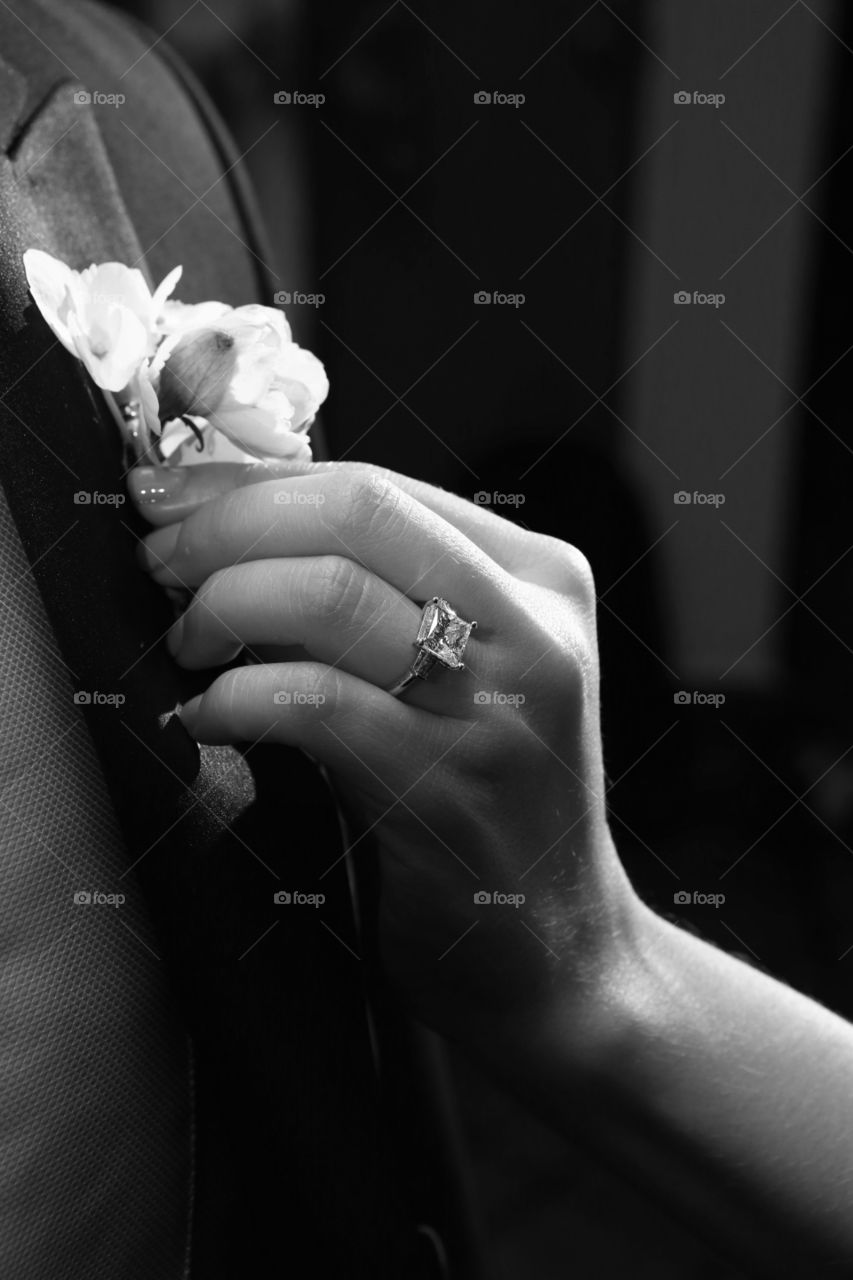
{"x":114,"y":367}
{"x":263,"y":317}
{"x":303,"y":366}
{"x":260,"y":433}
{"x":180,"y":317}
{"x":50,"y":284}
{"x":164,"y":290}
{"x":112,"y":284}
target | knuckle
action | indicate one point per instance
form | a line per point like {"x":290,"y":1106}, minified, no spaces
{"x":574,"y":571}
{"x":371,"y":505}
{"x":570,"y":672}
{"x":208,"y":603}
{"x":360,"y":470}
{"x":319,"y":689}
{"x":584,"y":577}
{"x":337,"y":590}
{"x":211,"y":589}
{"x":222,"y":699}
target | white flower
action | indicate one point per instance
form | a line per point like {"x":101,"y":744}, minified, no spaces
{"x":176,"y":318}
{"x":179,"y":445}
{"x":105,"y":315}
{"x":240,"y":370}
{"x":196,"y":381}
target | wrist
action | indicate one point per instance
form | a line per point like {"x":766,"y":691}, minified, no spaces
{"x":579,"y":984}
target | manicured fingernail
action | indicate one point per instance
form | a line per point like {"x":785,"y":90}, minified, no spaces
{"x":150,"y":485}
{"x":154,"y":551}
{"x":173,"y":639}
{"x":189,"y":715}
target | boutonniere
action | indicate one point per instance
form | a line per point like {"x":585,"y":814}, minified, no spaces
{"x":185,"y":382}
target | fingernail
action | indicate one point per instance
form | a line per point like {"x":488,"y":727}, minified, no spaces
{"x":150,"y":485}
{"x":173,"y":638}
{"x":154,"y":551}
{"x":189,"y":715}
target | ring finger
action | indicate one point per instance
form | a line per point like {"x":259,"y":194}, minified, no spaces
{"x":336,"y":610}
{"x":363,"y":518}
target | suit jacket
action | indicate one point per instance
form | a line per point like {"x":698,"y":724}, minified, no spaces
{"x":187,"y":1080}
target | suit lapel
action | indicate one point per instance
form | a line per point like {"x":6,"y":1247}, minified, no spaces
{"x":13,"y":94}
{"x":58,"y":438}
{"x":62,"y":167}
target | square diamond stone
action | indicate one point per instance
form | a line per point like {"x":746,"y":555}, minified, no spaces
{"x":443,"y":633}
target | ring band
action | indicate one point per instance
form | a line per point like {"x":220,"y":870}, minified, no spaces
{"x":441,"y":640}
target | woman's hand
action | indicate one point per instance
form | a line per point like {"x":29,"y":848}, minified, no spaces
{"x":487,"y":781}
{"x":703,"y":1078}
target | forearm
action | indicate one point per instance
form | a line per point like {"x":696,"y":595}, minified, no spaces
{"x":710,"y":1084}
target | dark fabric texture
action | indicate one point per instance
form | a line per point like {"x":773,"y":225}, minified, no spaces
{"x":95,"y":1130}
{"x":293,"y":1159}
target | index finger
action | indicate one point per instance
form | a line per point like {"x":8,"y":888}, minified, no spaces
{"x":164,"y":497}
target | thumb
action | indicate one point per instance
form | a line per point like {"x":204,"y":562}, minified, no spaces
{"x":164,"y":495}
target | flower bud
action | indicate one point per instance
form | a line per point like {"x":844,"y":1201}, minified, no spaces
{"x":196,"y":375}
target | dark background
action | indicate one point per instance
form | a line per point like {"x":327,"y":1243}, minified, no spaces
{"x":591,"y":404}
